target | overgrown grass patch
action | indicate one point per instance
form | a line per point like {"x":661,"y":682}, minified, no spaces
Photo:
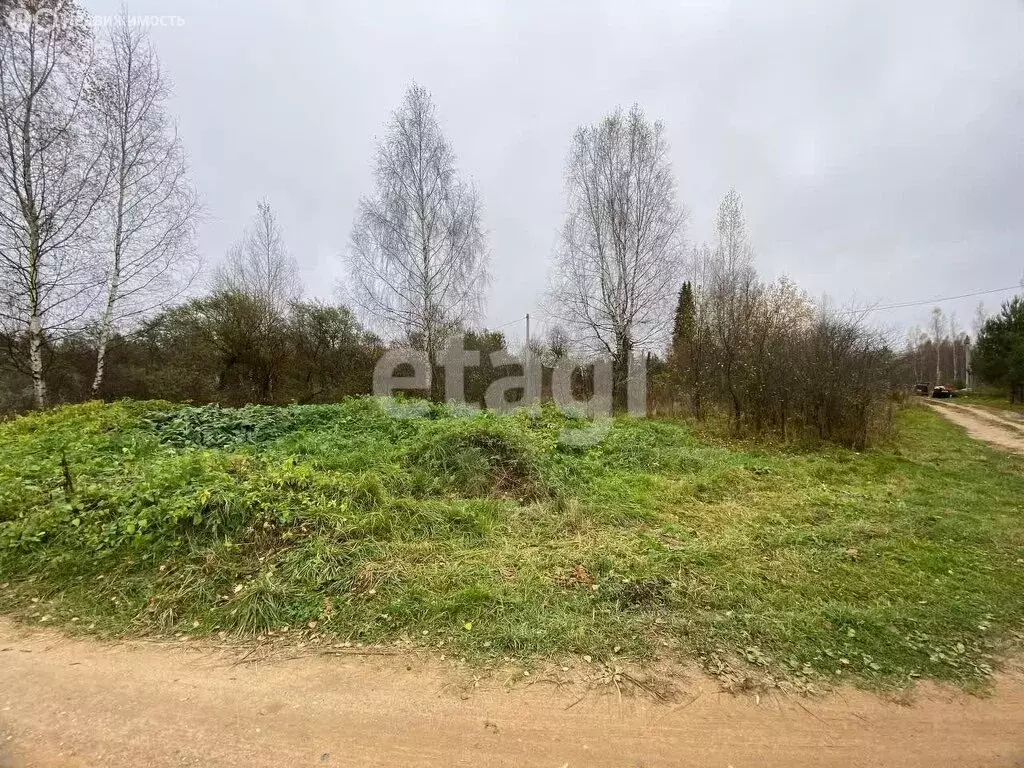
{"x":991,"y":400}
{"x":486,"y":533}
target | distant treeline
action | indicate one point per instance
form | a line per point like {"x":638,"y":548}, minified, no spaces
{"x":229,"y":348}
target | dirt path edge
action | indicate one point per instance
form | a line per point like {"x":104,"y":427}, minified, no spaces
{"x":81,"y":702}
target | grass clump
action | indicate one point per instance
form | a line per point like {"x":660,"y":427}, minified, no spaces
{"x":491,"y":535}
{"x":481,"y":457}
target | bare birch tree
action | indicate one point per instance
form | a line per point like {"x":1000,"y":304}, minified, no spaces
{"x":259,"y":266}
{"x":418,"y":259}
{"x":916,"y":339}
{"x":618,"y":267}
{"x":52,"y":178}
{"x":149,"y":217}
{"x":979,"y":319}
{"x":733,"y":292}
{"x":259,"y":282}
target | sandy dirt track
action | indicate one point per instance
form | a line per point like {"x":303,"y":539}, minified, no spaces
{"x":74,"y":702}
{"x":1002,"y":429}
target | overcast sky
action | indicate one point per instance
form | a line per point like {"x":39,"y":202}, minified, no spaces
{"x":878,"y":146}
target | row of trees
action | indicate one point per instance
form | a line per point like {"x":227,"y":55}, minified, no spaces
{"x":250,"y":339}
{"x":97,"y":220}
{"x":944,"y":354}
{"x":941,"y":353}
{"x":225,"y":348}
{"x":97,"y":214}
{"x":764,"y":352}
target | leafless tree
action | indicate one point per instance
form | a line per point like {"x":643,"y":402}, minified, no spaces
{"x":149,"y":217}
{"x":52,"y":177}
{"x":259,"y":281}
{"x":617,"y":271}
{"x":916,"y":340}
{"x":418,"y":260}
{"x":979,"y":319}
{"x":259,"y":266}
{"x":733,"y":291}
{"x":557,"y":344}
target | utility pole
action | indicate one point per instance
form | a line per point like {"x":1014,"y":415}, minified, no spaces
{"x":527,"y":330}
{"x":967,"y":361}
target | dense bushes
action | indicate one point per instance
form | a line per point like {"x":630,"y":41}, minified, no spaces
{"x":767,"y":356}
{"x":226,"y":348}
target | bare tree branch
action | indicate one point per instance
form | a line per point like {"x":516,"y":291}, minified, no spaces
{"x":260,"y":267}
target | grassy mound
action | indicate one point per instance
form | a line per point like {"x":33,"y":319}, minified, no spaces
{"x":478,"y":459}
{"x":490,"y":535}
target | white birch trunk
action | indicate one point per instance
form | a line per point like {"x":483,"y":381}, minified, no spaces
{"x":35,"y":357}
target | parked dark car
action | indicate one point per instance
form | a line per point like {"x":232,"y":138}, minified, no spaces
{"x":943,"y":392}
{"x":922,"y":389}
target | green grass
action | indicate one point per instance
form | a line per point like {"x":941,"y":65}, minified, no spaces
{"x":487,"y":533}
{"x":1002,"y":402}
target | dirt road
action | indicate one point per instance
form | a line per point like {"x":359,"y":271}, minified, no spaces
{"x":71,"y":702}
{"x":1003,"y":429}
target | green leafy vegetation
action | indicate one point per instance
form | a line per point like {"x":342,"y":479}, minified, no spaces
{"x":484,"y":531}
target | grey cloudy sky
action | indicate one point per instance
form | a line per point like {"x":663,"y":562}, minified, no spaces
{"x":878,"y":146}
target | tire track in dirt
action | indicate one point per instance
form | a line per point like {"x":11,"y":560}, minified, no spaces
{"x":984,"y":425}
{"x":1009,"y":418}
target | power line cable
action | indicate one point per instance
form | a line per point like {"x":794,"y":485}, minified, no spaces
{"x":903,"y":304}
{"x":510,"y":322}
{"x":898,"y":305}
